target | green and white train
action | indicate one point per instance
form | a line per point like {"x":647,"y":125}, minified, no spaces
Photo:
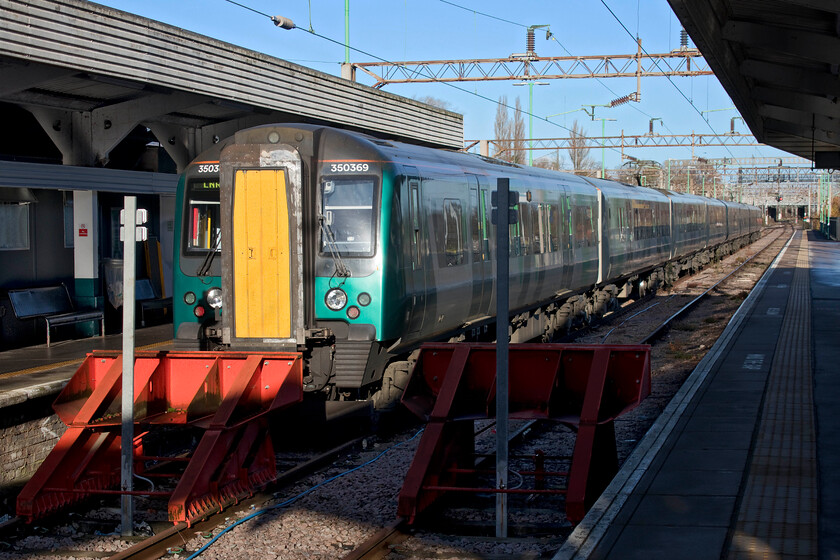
{"x":355,"y":250}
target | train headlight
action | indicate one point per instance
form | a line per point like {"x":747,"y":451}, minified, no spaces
{"x":214,"y":298}
{"x":336,"y":299}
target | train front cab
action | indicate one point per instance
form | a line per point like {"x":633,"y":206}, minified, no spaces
{"x":196,"y":258}
{"x":302,"y":249}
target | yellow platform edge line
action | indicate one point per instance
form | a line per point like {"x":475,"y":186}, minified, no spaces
{"x":47,"y":367}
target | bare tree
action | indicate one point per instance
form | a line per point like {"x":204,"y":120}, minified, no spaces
{"x":503,"y":129}
{"x":582,"y":162}
{"x":518,"y":137}
{"x":435,"y":102}
{"x":550,"y":161}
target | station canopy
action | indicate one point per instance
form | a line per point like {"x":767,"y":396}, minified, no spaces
{"x":778,"y":60}
{"x":103,"y":72}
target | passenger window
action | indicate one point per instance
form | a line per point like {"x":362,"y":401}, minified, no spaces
{"x":554,"y":227}
{"x":476,"y":229}
{"x":450,"y":239}
{"x":416,"y":253}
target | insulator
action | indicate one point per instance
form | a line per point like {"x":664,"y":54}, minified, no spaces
{"x":283,"y":22}
{"x":530,"y":44}
{"x":683,"y":39}
{"x":622,"y":100}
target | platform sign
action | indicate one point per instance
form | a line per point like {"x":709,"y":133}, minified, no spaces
{"x":130,"y":232}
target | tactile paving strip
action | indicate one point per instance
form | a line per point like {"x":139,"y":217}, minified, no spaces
{"x":778,"y":513}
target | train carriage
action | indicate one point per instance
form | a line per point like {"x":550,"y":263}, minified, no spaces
{"x":716,"y":221}
{"x":637,"y":220}
{"x":354,"y":250}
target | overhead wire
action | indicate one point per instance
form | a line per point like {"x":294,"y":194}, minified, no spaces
{"x":475,"y":94}
{"x":568,"y":52}
{"x":621,"y":23}
{"x":484,"y":14}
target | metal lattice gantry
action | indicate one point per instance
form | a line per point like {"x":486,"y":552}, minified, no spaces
{"x":621,"y":142}
{"x":529,"y":66}
{"x":780,"y":182}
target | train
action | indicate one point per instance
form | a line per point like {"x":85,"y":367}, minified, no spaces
{"x":354,"y":250}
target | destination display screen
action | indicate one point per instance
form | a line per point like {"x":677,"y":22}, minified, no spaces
{"x":204,"y":185}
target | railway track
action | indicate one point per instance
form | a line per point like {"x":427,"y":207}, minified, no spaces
{"x":381,"y":544}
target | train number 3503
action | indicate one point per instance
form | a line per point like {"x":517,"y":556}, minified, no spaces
{"x":208,"y":168}
{"x":349,"y":167}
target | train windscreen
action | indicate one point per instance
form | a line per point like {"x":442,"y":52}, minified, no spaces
{"x":348,"y":215}
{"x":203,"y":219}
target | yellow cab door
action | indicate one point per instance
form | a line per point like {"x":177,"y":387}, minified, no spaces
{"x":261,"y":255}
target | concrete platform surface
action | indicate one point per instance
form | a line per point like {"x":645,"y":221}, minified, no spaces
{"x":743,"y":462}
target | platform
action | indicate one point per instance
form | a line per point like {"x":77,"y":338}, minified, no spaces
{"x":37,"y":371}
{"x":743,"y":462}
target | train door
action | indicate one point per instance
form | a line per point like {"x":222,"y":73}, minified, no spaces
{"x":416,"y":263}
{"x":263,"y":303}
{"x":482,"y":273}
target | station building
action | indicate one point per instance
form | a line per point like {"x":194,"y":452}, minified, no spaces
{"x":98,"y":104}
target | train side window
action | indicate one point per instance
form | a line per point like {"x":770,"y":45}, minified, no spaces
{"x":452,"y":234}
{"x":554,"y":227}
{"x":476,"y":227}
{"x":526,"y":226}
{"x":414,"y":202}
{"x":583,"y":226}
{"x":636,"y":224}
{"x":545,"y":230}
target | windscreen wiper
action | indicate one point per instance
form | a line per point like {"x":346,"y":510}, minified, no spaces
{"x":204,"y":269}
{"x":340,"y":269}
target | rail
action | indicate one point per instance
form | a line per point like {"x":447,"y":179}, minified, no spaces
{"x":663,"y":327}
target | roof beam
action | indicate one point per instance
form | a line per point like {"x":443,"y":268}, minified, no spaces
{"x":825,"y":5}
{"x":817,"y":104}
{"x":804,"y":119}
{"x":805,"y":80}
{"x":819,"y":136}
{"x":803,"y":44}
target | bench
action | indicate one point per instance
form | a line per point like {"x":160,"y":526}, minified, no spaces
{"x":147,"y":298}
{"x":53,"y":303}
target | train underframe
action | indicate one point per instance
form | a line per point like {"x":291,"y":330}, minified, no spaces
{"x":338,"y":368}
{"x":549,"y":321}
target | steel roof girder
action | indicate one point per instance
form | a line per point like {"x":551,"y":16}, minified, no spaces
{"x":819,"y":135}
{"x":817,"y":104}
{"x":801,"y":118}
{"x":797,"y":42}
{"x":804,"y":79}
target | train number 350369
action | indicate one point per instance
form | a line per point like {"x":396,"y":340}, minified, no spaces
{"x":349,"y":167}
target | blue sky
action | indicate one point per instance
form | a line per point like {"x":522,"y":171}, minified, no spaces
{"x":413,"y":30}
